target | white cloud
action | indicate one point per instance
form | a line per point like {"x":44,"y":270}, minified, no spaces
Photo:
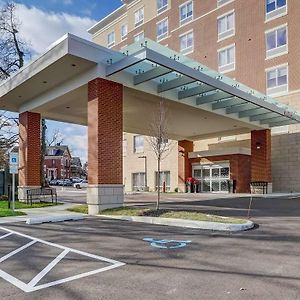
{"x":42,"y":28}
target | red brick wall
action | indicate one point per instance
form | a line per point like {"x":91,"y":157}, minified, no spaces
{"x":239,"y":168}
{"x":29,"y":149}
{"x":184,"y":166}
{"x":105,"y":132}
{"x":55,"y":163}
{"x":261,"y":158}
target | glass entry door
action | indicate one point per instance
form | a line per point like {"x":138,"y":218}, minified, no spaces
{"x":213,"y":178}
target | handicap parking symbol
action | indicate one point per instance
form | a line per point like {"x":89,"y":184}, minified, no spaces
{"x":166,"y":244}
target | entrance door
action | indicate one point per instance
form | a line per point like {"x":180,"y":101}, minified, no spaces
{"x":214,"y":178}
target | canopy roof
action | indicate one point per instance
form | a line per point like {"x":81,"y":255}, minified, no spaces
{"x":196,"y":84}
{"x":202,"y":103}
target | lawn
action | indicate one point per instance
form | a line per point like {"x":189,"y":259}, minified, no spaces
{"x":186,"y":215}
{"x":6,"y":212}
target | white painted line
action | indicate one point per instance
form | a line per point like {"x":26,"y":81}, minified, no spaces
{"x":32,"y":285}
{"x":47,"y":269}
{"x":5,"y":257}
{"x":15,"y":281}
{"x":5,"y":235}
{"x":46,"y":285}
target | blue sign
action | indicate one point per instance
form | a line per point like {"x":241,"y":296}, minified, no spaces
{"x":166,"y":244}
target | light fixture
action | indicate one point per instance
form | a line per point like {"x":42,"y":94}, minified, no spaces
{"x":258,"y":145}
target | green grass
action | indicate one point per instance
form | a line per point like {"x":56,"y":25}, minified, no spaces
{"x":185,"y":215}
{"x":10,"y":213}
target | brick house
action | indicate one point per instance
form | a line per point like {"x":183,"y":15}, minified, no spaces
{"x":57,"y":163}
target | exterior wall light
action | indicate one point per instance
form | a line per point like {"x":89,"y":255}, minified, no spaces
{"x":258,"y":145}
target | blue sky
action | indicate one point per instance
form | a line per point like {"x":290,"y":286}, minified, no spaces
{"x":95,"y":9}
{"x":42,"y":23}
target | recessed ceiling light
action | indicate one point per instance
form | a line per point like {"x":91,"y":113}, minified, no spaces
{"x":73,"y":65}
{"x":20,"y":96}
{"x":45,"y":82}
{"x":68,"y":107}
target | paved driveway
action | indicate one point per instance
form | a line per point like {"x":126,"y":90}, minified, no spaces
{"x":259,"y":264}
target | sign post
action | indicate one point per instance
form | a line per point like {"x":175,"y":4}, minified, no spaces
{"x":13,"y":169}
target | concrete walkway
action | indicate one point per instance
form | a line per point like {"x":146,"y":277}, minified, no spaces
{"x":54,"y":211}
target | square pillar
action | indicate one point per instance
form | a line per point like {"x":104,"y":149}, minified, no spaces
{"x":261,"y":169}
{"x":29,"y":153}
{"x":184,"y":165}
{"x":105,"y":138}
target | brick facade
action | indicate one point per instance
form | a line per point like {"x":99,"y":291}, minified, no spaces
{"x":261,"y":155}
{"x":184,"y":166}
{"x":29,"y":149}
{"x":239,"y":168}
{"x":105,"y":132}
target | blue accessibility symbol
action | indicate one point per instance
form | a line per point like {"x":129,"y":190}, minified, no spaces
{"x":166,"y":244}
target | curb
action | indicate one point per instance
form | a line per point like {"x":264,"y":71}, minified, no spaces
{"x":52,"y":219}
{"x":186,"y":223}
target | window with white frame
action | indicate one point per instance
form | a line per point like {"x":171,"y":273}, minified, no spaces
{"x":187,"y":42}
{"x":277,"y":80}
{"x":139,"y":36}
{"x":276,"y":42}
{"x":186,"y":12}
{"x":275,"y":8}
{"x":162,"y":29}
{"x":162,"y":5}
{"x":223,"y":2}
{"x":139,"y":17}
{"x":111,"y":39}
{"x":226,"y":57}
{"x":124,"y":31}
{"x":138,"y":144}
{"x":226,"y":26}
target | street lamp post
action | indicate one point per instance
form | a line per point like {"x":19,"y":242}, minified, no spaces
{"x":146,"y":185}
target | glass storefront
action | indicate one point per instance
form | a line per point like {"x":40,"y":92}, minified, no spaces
{"x":213,"y":177}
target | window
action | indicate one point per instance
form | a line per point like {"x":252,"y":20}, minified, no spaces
{"x":187,"y":43}
{"x":139,"y":36}
{"x":277,"y":80}
{"x":164,"y":180}
{"x":226,"y":26}
{"x":186,"y":12}
{"x":138,"y":182}
{"x":139,"y":17}
{"x":124,"y":31}
{"x":138,"y":144}
{"x":162,"y":5}
{"x":223,"y":2}
{"x":276,"y":42}
{"x":111,"y":39}
{"x":162,"y":29}
{"x":275,"y":8}
{"x":227,"y":59}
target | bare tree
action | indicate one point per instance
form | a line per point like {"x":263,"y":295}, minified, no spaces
{"x":54,"y":138}
{"x":12,"y":48}
{"x":159,"y":141}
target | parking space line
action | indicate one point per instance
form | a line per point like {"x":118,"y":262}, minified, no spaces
{"x":5,"y":257}
{"x":5,"y":235}
{"x":47,"y":269}
{"x":32,"y":285}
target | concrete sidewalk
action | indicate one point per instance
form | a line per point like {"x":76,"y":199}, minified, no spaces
{"x":54,"y":211}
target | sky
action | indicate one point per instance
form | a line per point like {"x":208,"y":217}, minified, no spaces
{"x":42,"y":23}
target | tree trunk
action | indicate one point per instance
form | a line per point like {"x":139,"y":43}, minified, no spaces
{"x":158,"y":184}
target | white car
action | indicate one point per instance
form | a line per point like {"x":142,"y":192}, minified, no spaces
{"x":81,"y":184}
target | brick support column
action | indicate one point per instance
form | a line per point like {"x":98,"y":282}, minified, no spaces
{"x":105,"y":136}
{"x":261,"y":156}
{"x":184,"y":165}
{"x":29,"y":153}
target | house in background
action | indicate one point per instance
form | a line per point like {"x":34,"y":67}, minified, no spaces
{"x":57,"y":164}
{"x":76,"y":168}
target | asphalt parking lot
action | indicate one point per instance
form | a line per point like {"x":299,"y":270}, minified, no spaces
{"x":105,"y":259}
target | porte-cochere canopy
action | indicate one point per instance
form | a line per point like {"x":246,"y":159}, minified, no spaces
{"x":202,"y":102}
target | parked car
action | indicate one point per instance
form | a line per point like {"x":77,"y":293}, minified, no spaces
{"x":80,"y":185}
{"x":76,"y":179}
{"x":53,"y":182}
{"x":64,"y":182}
